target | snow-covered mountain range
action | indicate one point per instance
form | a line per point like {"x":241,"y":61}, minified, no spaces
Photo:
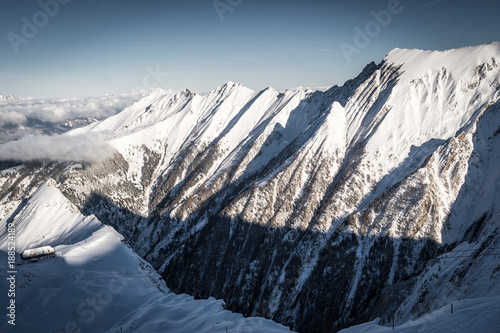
{"x":317,"y":209}
{"x":12,"y":98}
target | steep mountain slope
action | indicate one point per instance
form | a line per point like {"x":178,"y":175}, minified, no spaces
{"x":318,"y":209}
{"x":96,"y":283}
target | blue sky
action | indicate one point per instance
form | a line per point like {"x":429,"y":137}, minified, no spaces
{"x":89,"y":47}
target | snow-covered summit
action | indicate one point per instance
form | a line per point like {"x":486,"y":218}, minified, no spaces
{"x":12,"y":98}
{"x":460,"y":62}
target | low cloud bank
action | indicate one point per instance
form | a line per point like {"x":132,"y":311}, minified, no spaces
{"x":61,"y":148}
{"x":62,"y":109}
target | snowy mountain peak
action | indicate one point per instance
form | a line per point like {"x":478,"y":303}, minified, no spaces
{"x":318,"y":209}
{"x":456,"y":61}
{"x":228,"y":87}
{"x":12,"y":98}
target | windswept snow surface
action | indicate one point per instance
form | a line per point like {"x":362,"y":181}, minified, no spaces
{"x":469,"y":316}
{"x":96,"y":283}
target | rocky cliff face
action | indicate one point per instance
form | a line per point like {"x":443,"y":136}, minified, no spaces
{"x":317,"y":209}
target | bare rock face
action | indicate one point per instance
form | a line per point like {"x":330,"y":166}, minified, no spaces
{"x":318,"y":210}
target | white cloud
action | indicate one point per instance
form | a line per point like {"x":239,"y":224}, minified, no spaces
{"x":61,"y":109}
{"x":57,"y":148}
{"x":11,"y":117}
{"x":26,"y":127}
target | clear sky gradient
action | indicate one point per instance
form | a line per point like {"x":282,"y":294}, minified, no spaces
{"x":90,"y":47}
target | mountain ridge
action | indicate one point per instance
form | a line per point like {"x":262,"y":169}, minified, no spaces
{"x":317,"y":209}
